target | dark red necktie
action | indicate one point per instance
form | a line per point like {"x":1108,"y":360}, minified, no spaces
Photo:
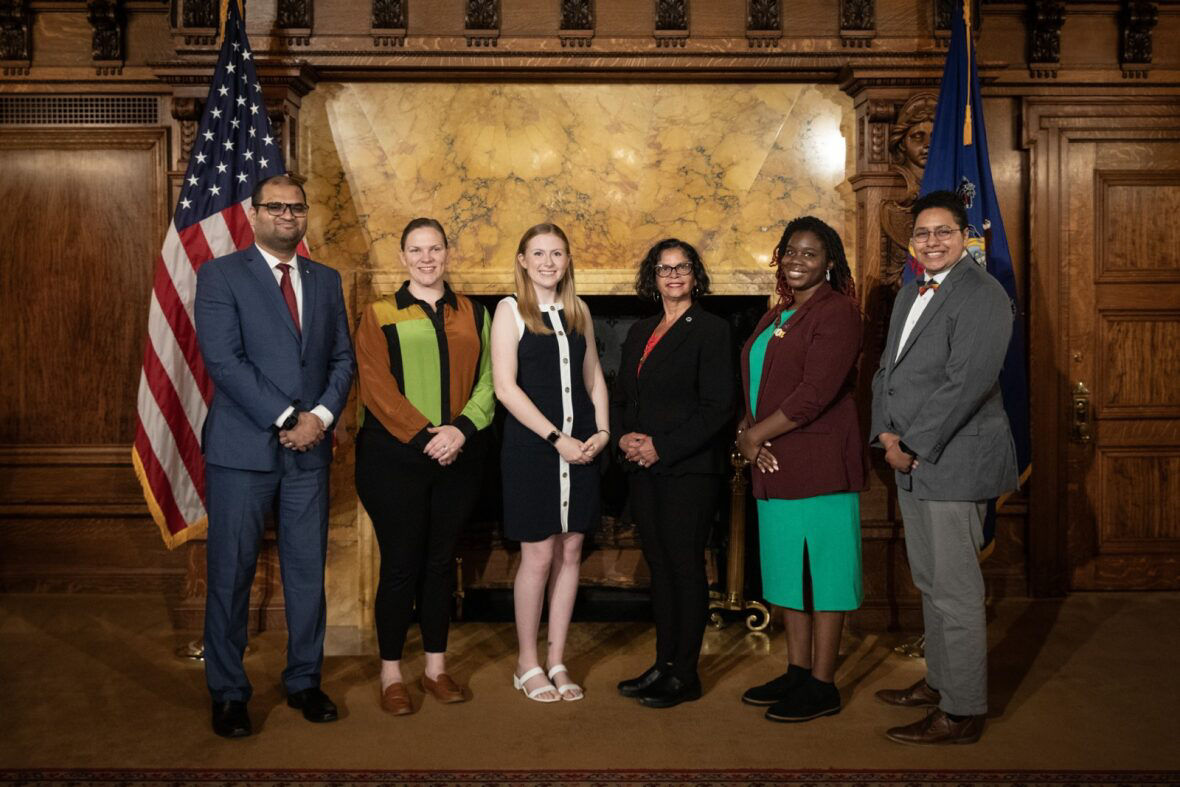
{"x":289,"y":295}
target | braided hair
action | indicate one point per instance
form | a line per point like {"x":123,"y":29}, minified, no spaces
{"x":841,"y":275}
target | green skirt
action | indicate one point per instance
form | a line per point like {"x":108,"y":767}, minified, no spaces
{"x":828,"y":526}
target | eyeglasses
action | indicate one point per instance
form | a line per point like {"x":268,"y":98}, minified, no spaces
{"x":942,"y":233}
{"x":682,"y":269}
{"x":298,"y":209}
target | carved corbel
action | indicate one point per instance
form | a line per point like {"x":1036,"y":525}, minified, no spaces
{"x":187,"y":113}
{"x":389,"y":22}
{"x":106,"y":28}
{"x":1136,"y":20}
{"x":293,"y":20}
{"x":481,"y":21}
{"x":764,"y":22}
{"x":198,"y":22}
{"x":858,"y":23}
{"x":1045,"y":20}
{"x":671,"y":22}
{"x":577,"y":22}
{"x":16,"y":37}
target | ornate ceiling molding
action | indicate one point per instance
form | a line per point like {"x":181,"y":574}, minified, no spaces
{"x":1045,"y":20}
{"x":389,"y":22}
{"x":107,"y":24}
{"x":764,"y":22}
{"x":577,"y":22}
{"x":481,"y":22}
{"x":16,"y":37}
{"x":671,"y":22}
{"x":1136,"y":20}
{"x":858,"y":23}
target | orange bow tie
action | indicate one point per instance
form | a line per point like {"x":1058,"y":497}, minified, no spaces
{"x":930,"y":284}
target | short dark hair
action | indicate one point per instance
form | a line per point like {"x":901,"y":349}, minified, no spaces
{"x":840,"y":278}
{"x":948,"y":200}
{"x":645,"y":279}
{"x":419,"y":223}
{"x":278,"y":180}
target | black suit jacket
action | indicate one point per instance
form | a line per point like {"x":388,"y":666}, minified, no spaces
{"x":683,"y":397}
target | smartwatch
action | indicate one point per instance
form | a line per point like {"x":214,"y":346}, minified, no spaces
{"x":292,"y":419}
{"x":553,"y":437}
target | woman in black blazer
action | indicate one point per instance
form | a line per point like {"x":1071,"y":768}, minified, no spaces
{"x":673,"y":397}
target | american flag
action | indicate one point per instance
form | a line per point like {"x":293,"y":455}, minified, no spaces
{"x":234,"y":149}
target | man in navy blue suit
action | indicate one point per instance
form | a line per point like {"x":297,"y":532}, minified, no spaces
{"x":274,"y":336}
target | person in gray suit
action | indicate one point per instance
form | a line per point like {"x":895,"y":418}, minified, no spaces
{"x":939,"y":414}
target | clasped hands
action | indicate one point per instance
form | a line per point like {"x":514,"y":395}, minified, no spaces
{"x":305,"y":435}
{"x":639,"y":448}
{"x":898,"y":459}
{"x":446,"y":444}
{"x":581,"y":452}
{"x":755,"y":447}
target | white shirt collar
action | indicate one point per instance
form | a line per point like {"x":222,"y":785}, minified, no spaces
{"x":274,"y":261}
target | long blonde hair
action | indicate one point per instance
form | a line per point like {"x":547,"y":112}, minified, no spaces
{"x":526,"y":296}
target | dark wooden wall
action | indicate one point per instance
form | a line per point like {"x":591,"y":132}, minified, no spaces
{"x":85,"y":189}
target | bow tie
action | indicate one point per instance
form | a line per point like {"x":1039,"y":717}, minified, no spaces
{"x":929,"y":284}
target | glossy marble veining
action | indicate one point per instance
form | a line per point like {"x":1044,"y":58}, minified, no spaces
{"x":617,"y":166}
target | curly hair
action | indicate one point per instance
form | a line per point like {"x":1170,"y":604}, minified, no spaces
{"x":645,"y":279}
{"x":841,"y":275}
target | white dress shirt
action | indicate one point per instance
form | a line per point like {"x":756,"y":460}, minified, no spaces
{"x":323,"y":413}
{"x":920,"y":304}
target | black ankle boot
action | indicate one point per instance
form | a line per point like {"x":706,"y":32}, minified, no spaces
{"x":809,"y":701}
{"x":636,"y":686}
{"x":773,"y":691}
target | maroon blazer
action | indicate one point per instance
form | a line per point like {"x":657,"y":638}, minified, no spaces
{"x":809,"y":374}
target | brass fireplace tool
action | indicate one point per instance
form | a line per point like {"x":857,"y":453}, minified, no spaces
{"x":733,"y":599}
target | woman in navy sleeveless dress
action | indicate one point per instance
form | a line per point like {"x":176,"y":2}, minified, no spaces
{"x":547,"y":375}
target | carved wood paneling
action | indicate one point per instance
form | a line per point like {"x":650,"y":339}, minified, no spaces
{"x":1139,"y":363}
{"x":73,"y":379}
{"x":293,"y":20}
{"x":1045,"y":20}
{"x":858,"y":22}
{"x":16,"y":36}
{"x":1141,"y":499}
{"x":764,"y":22}
{"x":1125,"y":252}
{"x":389,"y":22}
{"x":577,"y":22}
{"x":671,"y":22}
{"x":107,"y":21}
{"x":481,"y":21}
{"x":1137,"y":19}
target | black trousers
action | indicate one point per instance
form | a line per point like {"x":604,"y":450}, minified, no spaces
{"x":418,"y":509}
{"x":674,"y":514}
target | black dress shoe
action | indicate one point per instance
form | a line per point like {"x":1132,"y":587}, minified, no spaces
{"x":809,"y":701}
{"x":636,"y":686}
{"x":670,"y":691}
{"x":778,"y":689}
{"x":314,"y":703}
{"x":230,"y":719}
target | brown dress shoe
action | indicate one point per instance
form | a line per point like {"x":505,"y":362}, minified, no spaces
{"x":917,"y":696}
{"x":938,"y":728}
{"x":396,"y":700}
{"x":444,"y":689}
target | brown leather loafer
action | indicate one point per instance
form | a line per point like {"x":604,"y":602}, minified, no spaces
{"x":444,"y":689}
{"x":938,"y":728}
{"x":917,"y":696}
{"x":396,"y":700}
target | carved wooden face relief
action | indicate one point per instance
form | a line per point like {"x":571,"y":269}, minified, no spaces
{"x":915,"y":145}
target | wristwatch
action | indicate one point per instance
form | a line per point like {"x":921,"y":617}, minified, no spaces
{"x":292,"y":419}
{"x":554,"y":436}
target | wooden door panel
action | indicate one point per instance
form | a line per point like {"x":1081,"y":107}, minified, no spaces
{"x":1123,"y":265}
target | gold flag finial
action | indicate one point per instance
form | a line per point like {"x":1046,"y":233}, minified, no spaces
{"x":224,"y":14}
{"x":967,"y":114}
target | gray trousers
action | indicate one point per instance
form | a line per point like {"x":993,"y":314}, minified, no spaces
{"x":942,"y":540}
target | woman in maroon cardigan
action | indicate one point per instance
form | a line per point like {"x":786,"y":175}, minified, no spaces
{"x":801,"y":436}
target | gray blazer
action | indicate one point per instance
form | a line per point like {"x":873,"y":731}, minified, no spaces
{"x":942,"y":394}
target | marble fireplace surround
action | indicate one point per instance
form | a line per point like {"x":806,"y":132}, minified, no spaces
{"x":618,"y":166}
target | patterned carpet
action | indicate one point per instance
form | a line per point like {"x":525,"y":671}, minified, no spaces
{"x":647,"y":778}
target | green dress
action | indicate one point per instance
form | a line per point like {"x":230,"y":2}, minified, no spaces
{"x":826,"y":527}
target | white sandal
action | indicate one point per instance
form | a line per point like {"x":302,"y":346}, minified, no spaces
{"x":567,"y":688}
{"x":535,"y":694}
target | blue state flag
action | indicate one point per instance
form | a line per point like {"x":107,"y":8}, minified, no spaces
{"x":958,"y":162}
